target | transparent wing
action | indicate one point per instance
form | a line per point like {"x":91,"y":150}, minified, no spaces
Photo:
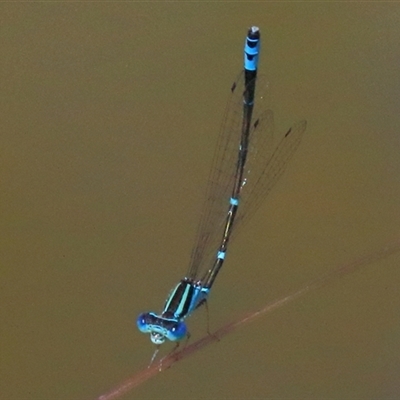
{"x":265,"y":164}
{"x":222,"y":174}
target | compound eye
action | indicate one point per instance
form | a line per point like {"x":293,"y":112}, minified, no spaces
{"x":142,"y":324}
{"x":177,"y":332}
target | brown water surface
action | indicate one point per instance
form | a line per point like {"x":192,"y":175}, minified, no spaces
{"x":109,"y":115}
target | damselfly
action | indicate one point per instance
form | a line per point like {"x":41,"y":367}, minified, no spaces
{"x":244,"y":170}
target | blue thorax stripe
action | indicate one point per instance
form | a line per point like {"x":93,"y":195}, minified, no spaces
{"x":179,"y":301}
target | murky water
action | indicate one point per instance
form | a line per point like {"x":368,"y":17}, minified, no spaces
{"x":110,"y":113}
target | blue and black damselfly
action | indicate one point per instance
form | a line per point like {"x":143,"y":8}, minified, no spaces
{"x":245,"y":168}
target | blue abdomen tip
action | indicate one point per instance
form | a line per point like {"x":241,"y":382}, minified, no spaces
{"x":252,"y":49}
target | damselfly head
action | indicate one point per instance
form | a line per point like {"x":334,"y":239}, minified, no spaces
{"x":161,"y":328}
